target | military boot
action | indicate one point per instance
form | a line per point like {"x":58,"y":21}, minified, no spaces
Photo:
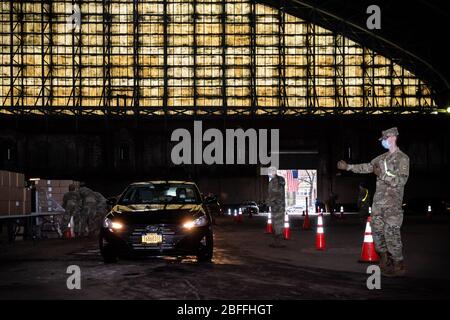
{"x":397,"y":269}
{"x":276,"y":243}
{"x":385,"y":261}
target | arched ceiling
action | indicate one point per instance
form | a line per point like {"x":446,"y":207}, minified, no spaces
{"x":205,"y":57}
{"x":416,"y":28}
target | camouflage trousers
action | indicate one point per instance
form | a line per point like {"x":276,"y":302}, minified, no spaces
{"x":71,"y":211}
{"x":363,"y":212}
{"x":277,"y":219}
{"x":81,"y":225}
{"x":386,"y":222}
{"x":64,"y":221}
{"x":95,"y":222}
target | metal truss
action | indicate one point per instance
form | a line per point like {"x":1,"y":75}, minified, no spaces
{"x":364,"y":37}
{"x":106,"y":94}
{"x":341,"y":29}
{"x":16,"y":81}
{"x":46,"y":92}
{"x":136,"y":66}
{"x":213,"y":112}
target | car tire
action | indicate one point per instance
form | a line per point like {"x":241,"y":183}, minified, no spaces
{"x":108,"y":253}
{"x":205,"y":251}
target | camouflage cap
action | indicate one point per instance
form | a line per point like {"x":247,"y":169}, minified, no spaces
{"x":389,"y":133}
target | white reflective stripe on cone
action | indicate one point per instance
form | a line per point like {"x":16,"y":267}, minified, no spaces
{"x":320,"y":230}
{"x":368,"y":228}
{"x":286,"y":225}
{"x":270,"y":221}
{"x":368,"y":238}
{"x":319,"y":220}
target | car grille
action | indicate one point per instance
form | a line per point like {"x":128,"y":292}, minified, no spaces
{"x":168,"y":232}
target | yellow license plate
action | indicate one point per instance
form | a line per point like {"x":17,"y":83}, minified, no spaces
{"x":151,"y":238}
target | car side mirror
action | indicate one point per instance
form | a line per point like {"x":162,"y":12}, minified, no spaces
{"x":112,"y":201}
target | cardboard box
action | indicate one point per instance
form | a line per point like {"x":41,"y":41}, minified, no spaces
{"x":28,"y":207}
{"x":12,"y":179}
{"x":5,"y":178}
{"x":4,"y":193}
{"x":62,"y":190}
{"x":22,"y":180}
{"x":4,"y":208}
{"x":16,"y":194}
{"x":16,"y":207}
{"x":2,"y":178}
{"x":27,"y":201}
{"x":65,"y":183}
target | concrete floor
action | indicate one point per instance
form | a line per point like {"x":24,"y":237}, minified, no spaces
{"x":244,"y":266}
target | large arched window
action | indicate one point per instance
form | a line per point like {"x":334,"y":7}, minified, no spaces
{"x":195,"y":55}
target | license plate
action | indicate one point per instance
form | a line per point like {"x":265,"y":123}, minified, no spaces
{"x":151,"y":238}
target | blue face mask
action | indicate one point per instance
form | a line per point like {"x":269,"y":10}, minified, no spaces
{"x":385,"y":144}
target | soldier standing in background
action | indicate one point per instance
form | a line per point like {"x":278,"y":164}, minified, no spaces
{"x":72,"y":207}
{"x":363,"y":202}
{"x":392,"y":171}
{"x":331,"y":203}
{"x":276,"y":201}
{"x":100,"y":212}
{"x":88,"y":210}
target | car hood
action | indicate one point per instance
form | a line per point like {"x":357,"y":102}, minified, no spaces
{"x":156,"y":213}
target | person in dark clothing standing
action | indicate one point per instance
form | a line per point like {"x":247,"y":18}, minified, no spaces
{"x":276,"y":201}
{"x":363,"y":202}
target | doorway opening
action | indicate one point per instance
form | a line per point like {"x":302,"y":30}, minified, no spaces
{"x":300,"y":190}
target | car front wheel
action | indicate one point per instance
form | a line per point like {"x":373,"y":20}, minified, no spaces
{"x":205,"y":250}
{"x":107,"y":251}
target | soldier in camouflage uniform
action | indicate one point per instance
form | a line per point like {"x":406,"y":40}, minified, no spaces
{"x":99,"y":214}
{"x":276,"y":201}
{"x":392,"y":171}
{"x":88,"y":210}
{"x":71,"y":205}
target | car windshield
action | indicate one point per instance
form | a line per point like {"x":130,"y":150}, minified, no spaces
{"x":160,"y":193}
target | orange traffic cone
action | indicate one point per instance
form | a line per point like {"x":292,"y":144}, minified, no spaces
{"x":368,"y":253}
{"x":429,"y":213}
{"x":269,"y":228}
{"x":320,"y":236}
{"x":306,"y":222}
{"x":239,"y":219}
{"x":69,"y":232}
{"x":229,"y":212}
{"x":341,"y":216}
{"x":235,"y":216}
{"x":287,"y":229}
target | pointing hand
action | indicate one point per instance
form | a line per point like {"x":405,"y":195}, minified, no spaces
{"x":342,"y":165}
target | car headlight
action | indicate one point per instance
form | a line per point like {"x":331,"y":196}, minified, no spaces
{"x":199,"y":222}
{"x":112,"y":225}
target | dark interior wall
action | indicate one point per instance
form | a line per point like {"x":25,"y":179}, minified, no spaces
{"x":110,"y":153}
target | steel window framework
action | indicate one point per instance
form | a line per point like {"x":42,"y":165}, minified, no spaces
{"x":198,"y":57}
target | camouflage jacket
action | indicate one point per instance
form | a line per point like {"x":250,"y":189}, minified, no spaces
{"x":87,"y":196}
{"x":276,"y":191}
{"x":73,"y":197}
{"x":394,"y":173}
